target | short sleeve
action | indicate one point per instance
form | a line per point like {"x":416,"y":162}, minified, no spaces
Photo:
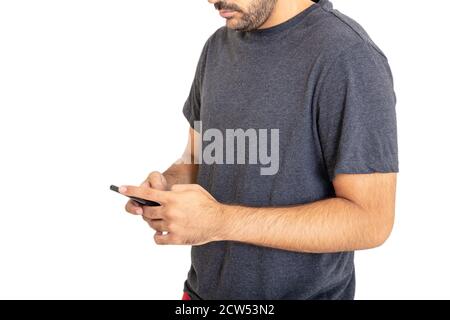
{"x":356,"y":116}
{"x":192,"y":106}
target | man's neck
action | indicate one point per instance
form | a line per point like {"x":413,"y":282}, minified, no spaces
{"x":285,"y":10}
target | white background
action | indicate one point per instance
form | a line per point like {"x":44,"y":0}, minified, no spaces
{"x":91,"y":94}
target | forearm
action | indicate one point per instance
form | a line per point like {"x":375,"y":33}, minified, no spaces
{"x":185,"y":169}
{"x":180,"y":173}
{"x":332,"y":225}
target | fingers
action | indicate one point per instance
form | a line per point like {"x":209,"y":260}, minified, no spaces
{"x":146,"y":183}
{"x":162,"y":235}
{"x":153,"y":212}
{"x":157,"y":181}
{"x":163,"y":239}
{"x":145,"y":193}
{"x":134,"y":208}
{"x":157,"y":225}
{"x":160,"y":196}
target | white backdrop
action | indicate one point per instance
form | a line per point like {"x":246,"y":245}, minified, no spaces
{"x":91,"y":93}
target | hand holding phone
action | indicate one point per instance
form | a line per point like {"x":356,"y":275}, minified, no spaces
{"x":144,"y":202}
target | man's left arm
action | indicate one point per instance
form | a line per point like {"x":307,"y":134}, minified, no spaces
{"x":360,"y":217}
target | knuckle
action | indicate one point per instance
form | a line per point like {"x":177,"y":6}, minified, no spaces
{"x":129,"y":207}
{"x":168,"y":218}
{"x":152,"y":194}
{"x":154,"y":178}
{"x":167,"y":213}
{"x":171,"y":214}
{"x":172,"y":201}
{"x":161,"y":240}
{"x":153,"y":174}
{"x":148,"y":212}
{"x":170,"y":227}
{"x":157,"y":226}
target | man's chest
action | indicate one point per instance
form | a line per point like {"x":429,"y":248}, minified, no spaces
{"x":256,"y":92}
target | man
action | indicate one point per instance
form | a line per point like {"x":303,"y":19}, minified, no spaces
{"x":311,"y":73}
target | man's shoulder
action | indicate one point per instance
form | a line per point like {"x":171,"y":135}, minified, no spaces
{"x":333,"y":33}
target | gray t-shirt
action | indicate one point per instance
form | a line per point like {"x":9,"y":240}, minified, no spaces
{"x":327,"y":87}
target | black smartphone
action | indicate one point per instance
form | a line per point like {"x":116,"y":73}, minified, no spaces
{"x":143,"y":202}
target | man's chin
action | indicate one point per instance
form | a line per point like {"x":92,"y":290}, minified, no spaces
{"x":232,"y":23}
{"x":235,"y":25}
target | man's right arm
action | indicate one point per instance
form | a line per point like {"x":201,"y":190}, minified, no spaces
{"x":184,"y":170}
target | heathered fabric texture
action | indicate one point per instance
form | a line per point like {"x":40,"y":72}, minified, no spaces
{"x":321,"y":80}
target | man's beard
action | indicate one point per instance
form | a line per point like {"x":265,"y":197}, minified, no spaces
{"x":258,"y":13}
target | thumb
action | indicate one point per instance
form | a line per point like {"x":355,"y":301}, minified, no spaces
{"x":157,"y":181}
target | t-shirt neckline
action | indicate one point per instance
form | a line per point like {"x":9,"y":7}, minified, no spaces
{"x":284,"y":25}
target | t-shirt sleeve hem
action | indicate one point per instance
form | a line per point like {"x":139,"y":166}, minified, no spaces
{"x":189,"y":115}
{"x":362,"y":170}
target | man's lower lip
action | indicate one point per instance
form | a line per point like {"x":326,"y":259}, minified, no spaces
{"x":227,"y":13}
